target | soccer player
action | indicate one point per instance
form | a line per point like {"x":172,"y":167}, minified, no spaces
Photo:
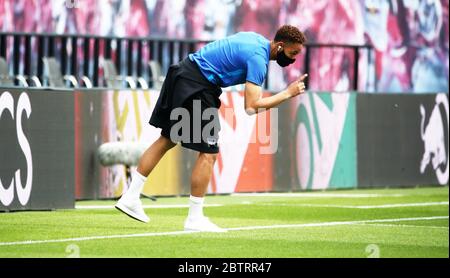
{"x":194,"y":85}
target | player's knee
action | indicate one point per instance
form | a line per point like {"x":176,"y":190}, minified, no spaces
{"x":208,"y":157}
{"x":166,"y":143}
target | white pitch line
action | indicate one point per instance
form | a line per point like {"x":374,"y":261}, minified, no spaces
{"x":323,"y":224}
{"x":315,"y":195}
{"x":403,"y":226}
{"x":144,"y":206}
{"x":28,"y":242}
{"x":363,"y":207}
{"x":404,"y":205}
{"x":319,"y":224}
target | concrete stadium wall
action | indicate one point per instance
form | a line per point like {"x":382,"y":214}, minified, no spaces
{"x":316,"y":141}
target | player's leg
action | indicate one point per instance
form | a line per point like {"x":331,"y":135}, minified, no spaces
{"x":201,"y":176}
{"x":130,"y":203}
{"x":153,"y":155}
{"x":147,"y":163}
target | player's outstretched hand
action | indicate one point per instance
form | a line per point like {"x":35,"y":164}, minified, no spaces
{"x":297,"y":87}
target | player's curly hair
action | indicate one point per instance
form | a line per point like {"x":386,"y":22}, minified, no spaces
{"x":290,"y":34}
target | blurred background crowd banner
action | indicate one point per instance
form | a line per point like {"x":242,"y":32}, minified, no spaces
{"x":410,"y":37}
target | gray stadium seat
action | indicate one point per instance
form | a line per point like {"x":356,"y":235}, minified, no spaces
{"x":87,"y":82}
{"x":157,"y":76}
{"x":113,"y":80}
{"x":55,"y":77}
{"x":7,"y":80}
{"x":142,"y":83}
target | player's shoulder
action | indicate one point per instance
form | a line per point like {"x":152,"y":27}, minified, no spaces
{"x":250,"y":35}
{"x":250,"y":42}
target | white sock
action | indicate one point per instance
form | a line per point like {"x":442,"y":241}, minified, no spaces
{"x":136,"y":186}
{"x":195,"y":207}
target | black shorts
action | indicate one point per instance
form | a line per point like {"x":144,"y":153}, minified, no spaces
{"x":196,"y":126}
{"x":187,"y":109}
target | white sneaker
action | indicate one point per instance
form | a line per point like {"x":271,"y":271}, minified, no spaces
{"x":202,"y":225}
{"x":132,"y":208}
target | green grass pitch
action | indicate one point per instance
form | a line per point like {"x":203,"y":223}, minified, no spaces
{"x":352,"y":223}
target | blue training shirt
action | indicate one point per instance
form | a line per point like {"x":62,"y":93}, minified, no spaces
{"x":235,"y":59}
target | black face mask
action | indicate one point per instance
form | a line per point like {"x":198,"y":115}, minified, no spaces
{"x":284,"y":60}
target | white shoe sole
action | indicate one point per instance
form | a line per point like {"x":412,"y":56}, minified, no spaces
{"x":121,"y":207}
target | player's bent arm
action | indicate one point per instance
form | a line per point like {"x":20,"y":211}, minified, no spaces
{"x":254,"y":102}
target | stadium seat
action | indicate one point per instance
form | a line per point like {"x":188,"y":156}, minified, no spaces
{"x":87,"y":82}
{"x":113,"y":80}
{"x":8,"y":80}
{"x":142,"y":83}
{"x":5,"y":78}
{"x":54,"y":75}
{"x":157,"y":77}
